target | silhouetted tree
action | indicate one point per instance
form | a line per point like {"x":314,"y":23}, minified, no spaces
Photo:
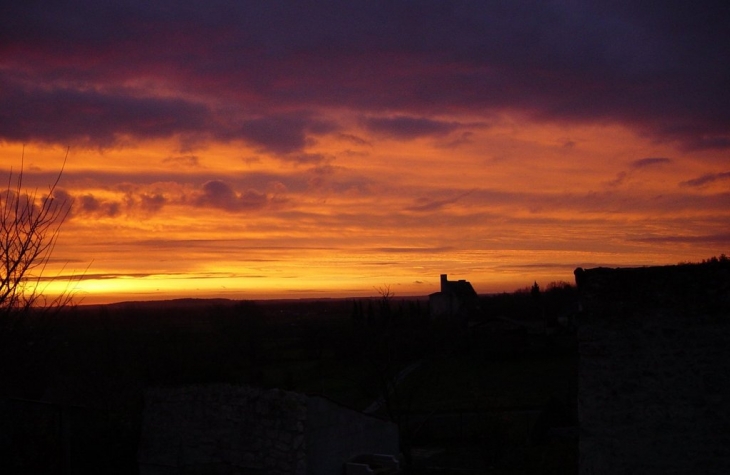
{"x":535,"y":291}
{"x":386,"y":296}
{"x":29,"y":226}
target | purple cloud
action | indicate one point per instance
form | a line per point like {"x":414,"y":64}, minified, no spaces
{"x":217,"y":194}
{"x":282,"y":134}
{"x":66,"y":67}
{"x":63,"y":115}
{"x":425,"y":205}
{"x":152,"y":202}
{"x":408,"y":128}
{"x":88,"y":204}
{"x":650,"y":161}
{"x":706,"y":179}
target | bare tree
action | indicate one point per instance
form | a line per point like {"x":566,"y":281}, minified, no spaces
{"x":386,"y":296}
{"x":29,"y":226}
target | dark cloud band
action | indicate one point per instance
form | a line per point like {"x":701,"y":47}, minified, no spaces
{"x":67,"y":67}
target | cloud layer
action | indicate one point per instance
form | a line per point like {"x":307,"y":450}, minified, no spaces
{"x":306,"y":146}
{"x":95,"y":73}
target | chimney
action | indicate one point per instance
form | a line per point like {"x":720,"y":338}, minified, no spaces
{"x":444,"y":280}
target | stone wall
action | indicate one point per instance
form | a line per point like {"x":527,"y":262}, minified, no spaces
{"x":335,"y":434}
{"x":654,"y":377}
{"x":225,"y":429}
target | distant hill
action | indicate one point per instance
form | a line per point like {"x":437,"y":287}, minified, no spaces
{"x":211,"y":302}
{"x":172,"y":303}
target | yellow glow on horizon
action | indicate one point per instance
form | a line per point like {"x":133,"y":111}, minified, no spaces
{"x":514,"y":202}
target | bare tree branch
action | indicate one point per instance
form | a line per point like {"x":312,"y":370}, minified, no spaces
{"x":29,"y":227}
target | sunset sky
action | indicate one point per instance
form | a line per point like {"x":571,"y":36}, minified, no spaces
{"x":288,"y":149}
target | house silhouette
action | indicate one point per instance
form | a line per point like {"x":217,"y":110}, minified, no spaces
{"x":457,"y":298}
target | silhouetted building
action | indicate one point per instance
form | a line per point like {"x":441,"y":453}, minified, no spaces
{"x":457,"y":298}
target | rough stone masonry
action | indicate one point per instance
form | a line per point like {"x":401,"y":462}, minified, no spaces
{"x":654,"y":389}
{"x":224,"y":430}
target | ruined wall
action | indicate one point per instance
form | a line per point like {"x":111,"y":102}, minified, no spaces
{"x":443,"y":304}
{"x":654,"y":377}
{"x":223,"y":429}
{"x":335,"y":434}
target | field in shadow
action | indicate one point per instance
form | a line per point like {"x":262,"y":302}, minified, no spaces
{"x":494,"y":394}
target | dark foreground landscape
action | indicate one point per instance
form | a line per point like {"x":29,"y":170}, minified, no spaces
{"x":491,"y":390}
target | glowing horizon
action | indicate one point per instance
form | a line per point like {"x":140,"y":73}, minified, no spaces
{"x":224,"y":151}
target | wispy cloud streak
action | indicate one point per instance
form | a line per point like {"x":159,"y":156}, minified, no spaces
{"x":706,"y":179}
